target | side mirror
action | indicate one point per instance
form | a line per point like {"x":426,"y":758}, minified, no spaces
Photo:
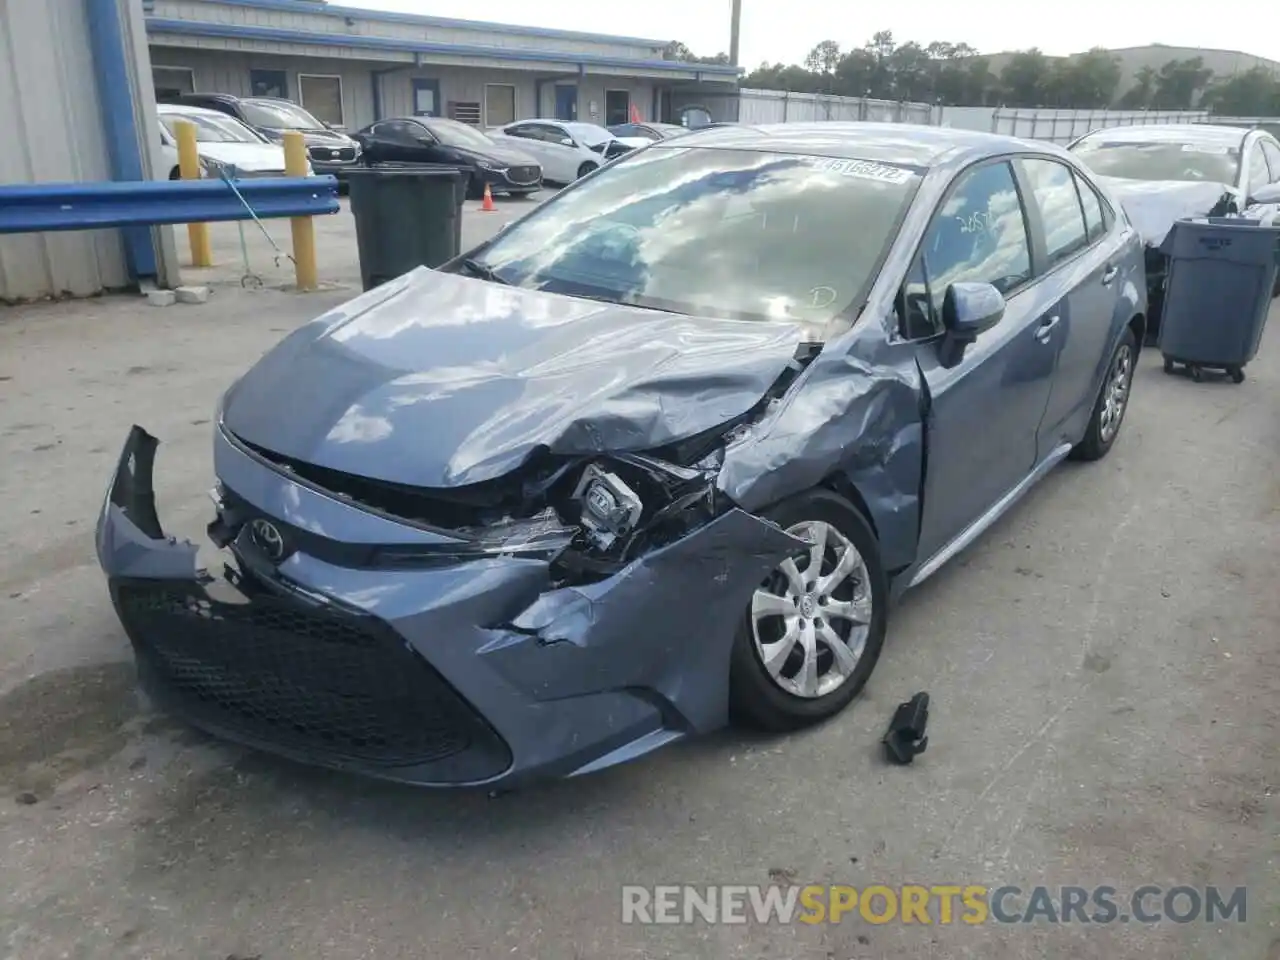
{"x":1270,"y":193}
{"x":968,"y":310}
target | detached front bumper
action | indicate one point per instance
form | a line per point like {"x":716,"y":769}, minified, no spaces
{"x":474,"y":673}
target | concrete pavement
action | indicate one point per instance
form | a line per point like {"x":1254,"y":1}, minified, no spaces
{"x":1104,"y":666}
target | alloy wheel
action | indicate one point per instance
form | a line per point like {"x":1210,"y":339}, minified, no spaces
{"x":810,"y":618}
{"x":1116,"y":393}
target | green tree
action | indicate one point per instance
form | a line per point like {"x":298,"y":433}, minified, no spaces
{"x":824,"y":58}
{"x":1254,"y":93}
{"x":675,"y":50}
{"x":1026,"y":78}
{"x":1087,"y":81}
{"x":1143,"y":91}
{"x":1179,"y":82}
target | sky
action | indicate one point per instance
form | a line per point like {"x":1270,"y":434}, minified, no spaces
{"x":785,"y":30}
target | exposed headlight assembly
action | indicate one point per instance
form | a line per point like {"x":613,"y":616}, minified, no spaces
{"x":610,"y":508}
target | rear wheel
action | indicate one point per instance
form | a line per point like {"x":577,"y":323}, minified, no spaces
{"x":586,"y":168}
{"x":1112,"y":403}
{"x":814,"y":629}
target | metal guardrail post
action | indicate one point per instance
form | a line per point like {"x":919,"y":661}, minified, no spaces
{"x":303,"y":228}
{"x":189,"y":168}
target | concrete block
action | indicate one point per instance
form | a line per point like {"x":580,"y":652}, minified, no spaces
{"x":192,"y":294}
{"x":161,"y":298}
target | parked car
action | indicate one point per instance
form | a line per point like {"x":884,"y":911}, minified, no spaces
{"x":440,"y":140}
{"x":567,"y":150}
{"x":1163,"y":173}
{"x":225,"y":144}
{"x":648,"y":131}
{"x":330,"y":151}
{"x":660,"y":453}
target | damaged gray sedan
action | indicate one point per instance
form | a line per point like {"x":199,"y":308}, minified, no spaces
{"x":659,"y":455}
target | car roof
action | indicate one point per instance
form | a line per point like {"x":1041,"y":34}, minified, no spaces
{"x":189,"y":108}
{"x":1202,"y":133}
{"x":903,"y":143}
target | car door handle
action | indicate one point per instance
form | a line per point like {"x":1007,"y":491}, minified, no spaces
{"x":1109,"y":274}
{"x":1045,"y":330}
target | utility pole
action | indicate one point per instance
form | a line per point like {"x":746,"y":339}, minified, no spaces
{"x":735,"y":25}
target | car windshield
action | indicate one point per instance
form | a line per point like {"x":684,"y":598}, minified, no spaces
{"x":279,"y":115}
{"x":1160,"y":160}
{"x":718,"y":233}
{"x":211,"y":129}
{"x":455,"y":134}
{"x":588,"y":134}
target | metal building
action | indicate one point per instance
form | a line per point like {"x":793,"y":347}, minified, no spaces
{"x":351,"y":66}
{"x":74,"y":87}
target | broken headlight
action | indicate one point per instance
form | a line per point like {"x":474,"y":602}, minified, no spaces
{"x":610,"y":508}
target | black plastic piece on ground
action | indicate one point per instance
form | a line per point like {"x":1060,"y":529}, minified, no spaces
{"x":906,"y":737}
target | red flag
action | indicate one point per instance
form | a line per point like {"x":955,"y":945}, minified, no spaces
{"x":635,"y":114}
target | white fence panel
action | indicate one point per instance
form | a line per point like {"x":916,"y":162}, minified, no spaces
{"x":780,"y":106}
{"x":1063,"y":126}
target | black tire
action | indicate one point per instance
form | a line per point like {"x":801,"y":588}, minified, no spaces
{"x":175,"y":174}
{"x":475,"y":189}
{"x":586,"y":168}
{"x":1094,"y":446}
{"x":1237,"y":375}
{"x":1197,"y":374}
{"x":1168,"y":365}
{"x":754,"y":698}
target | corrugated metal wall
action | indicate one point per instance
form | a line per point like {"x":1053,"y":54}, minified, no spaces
{"x":49,"y":111}
{"x":227,"y":71}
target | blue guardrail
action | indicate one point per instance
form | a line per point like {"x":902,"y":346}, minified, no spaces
{"x":39,"y":207}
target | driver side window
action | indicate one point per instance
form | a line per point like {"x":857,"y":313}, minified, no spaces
{"x":978,"y":234}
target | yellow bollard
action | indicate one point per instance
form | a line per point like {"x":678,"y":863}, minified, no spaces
{"x":189,"y":167}
{"x":304,"y":230}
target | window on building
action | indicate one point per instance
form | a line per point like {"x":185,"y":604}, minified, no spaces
{"x":499,"y":104}
{"x":269,"y":83}
{"x":617,"y":107}
{"x":322,"y":97}
{"x":173,"y":81}
{"x":1054,"y":188}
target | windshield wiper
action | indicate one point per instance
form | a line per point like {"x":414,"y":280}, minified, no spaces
{"x":484,"y":271}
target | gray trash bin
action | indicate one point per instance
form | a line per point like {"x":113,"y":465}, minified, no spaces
{"x":1217,"y":294}
{"x":407,"y":216}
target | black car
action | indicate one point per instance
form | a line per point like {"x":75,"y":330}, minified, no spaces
{"x":650,"y":131}
{"x":331,"y":151}
{"x":444,"y":141}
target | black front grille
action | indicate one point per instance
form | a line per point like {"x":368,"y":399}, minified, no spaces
{"x":333,"y":686}
{"x":523,"y":175}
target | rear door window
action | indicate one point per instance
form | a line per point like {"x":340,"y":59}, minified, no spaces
{"x":1272,"y":153}
{"x":1094,"y":219}
{"x":1053,"y":186}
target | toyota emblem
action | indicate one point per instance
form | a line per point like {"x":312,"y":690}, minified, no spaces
{"x":268,"y":538}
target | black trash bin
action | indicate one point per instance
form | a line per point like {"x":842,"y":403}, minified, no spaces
{"x":1217,"y":293}
{"x":407,"y":216}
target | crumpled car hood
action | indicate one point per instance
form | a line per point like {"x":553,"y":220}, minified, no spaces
{"x":438,"y":380}
{"x":1153,"y":206}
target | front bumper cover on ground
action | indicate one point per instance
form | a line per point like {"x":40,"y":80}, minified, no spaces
{"x":468,"y":674}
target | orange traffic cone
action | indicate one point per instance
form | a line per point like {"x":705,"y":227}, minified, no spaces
{"x":488,"y":206}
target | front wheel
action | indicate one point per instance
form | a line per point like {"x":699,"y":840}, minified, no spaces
{"x":585,"y":169}
{"x":814,"y":629}
{"x":1113,"y":402}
